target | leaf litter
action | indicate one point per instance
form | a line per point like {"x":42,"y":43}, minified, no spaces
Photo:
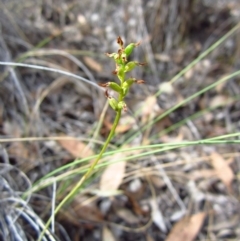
{"x":187,"y":228}
{"x":76,"y":148}
{"x":223,"y":171}
{"x":113,"y":175}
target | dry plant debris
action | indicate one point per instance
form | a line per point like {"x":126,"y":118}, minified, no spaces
{"x":76,"y":148}
{"x":187,"y":229}
{"x":223,"y":171}
{"x":113,"y":175}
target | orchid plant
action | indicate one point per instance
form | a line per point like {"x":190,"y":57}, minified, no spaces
{"x":123,"y":66}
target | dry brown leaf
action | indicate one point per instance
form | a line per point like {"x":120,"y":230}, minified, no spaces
{"x":223,"y":171}
{"x":208,"y":117}
{"x":107,"y":235}
{"x":230,"y":160}
{"x":168,"y":139}
{"x":189,"y":74}
{"x":157,"y":181}
{"x":113,"y":175}
{"x":86,"y":208}
{"x":162,"y":124}
{"x":23,"y":152}
{"x":220,"y":100}
{"x":19,"y":150}
{"x":136,"y":207}
{"x":127,"y":216}
{"x":162,"y":57}
{"x":187,"y":228}
{"x":125,"y":124}
{"x":92,"y":64}
{"x":76,"y":148}
{"x":199,"y":174}
{"x":86,"y":212}
{"x":220,"y":87}
{"x":122,"y":128}
{"x":148,"y":108}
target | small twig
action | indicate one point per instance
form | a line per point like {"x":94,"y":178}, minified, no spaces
{"x":51,"y":69}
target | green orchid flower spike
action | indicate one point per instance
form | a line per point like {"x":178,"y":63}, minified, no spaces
{"x":123,"y":66}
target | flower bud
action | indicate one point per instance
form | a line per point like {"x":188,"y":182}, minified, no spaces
{"x":128,"y":50}
{"x":124,"y":58}
{"x":113,"y":103}
{"x":112,"y":85}
{"x":130,"y":66}
{"x":130,"y":81}
{"x":121,"y":74}
{"x":122,"y":106}
{"x":115,"y":86}
{"x":125,"y":88}
{"x":126,"y":85}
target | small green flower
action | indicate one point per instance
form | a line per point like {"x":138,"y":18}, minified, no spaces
{"x":112,"y":101}
{"x":126,"y":85}
{"x":114,"y":86}
{"x":121,"y":73}
{"x":130,"y":66}
{"x":122,"y":106}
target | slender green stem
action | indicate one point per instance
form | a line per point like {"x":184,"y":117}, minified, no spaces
{"x":86,"y":175}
